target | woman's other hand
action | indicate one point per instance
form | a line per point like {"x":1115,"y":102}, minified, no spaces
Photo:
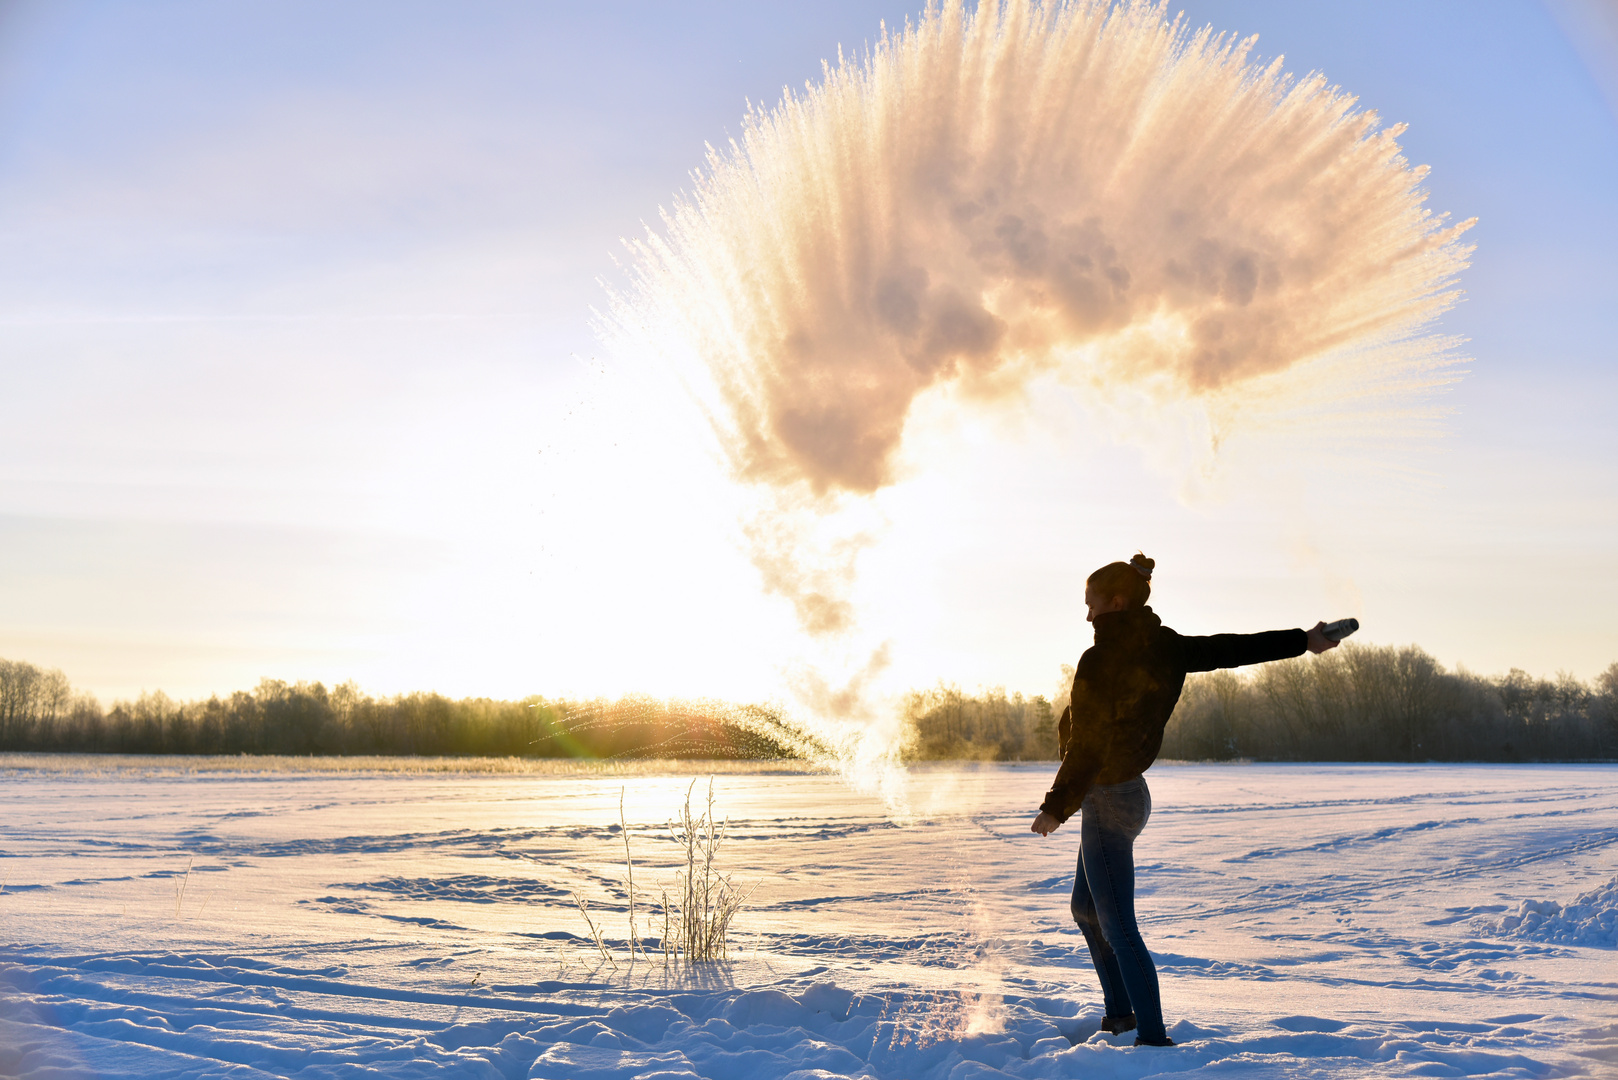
{"x":1045,"y":824}
{"x":1319,"y":642}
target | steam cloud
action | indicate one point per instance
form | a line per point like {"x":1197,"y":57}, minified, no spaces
{"x":985,"y":198}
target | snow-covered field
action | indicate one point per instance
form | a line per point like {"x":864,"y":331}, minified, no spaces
{"x":1320,"y":921}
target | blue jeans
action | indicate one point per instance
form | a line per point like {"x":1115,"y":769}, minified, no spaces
{"x":1104,"y":902}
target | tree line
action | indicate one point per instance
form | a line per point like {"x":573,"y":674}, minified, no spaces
{"x":40,"y":712}
{"x":1370,"y":703}
{"x":1356,"y":703}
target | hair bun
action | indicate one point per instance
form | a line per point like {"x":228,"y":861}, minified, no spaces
{"x":1142,"y":565}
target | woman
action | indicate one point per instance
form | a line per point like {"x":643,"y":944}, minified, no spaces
{"x":1123,"y":692}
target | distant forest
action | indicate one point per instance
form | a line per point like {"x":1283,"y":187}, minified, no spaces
{"x":40,"y":711}
{"x":1356,"y":703}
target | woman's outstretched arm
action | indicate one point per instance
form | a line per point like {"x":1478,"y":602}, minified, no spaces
{"x":1238,"y":650}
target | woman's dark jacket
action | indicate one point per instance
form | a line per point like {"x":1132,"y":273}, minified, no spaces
{"x":1125,"y":688}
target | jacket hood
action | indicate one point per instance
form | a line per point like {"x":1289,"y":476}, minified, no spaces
{"x":1131,"y":623}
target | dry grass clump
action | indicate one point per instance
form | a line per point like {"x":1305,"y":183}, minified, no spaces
{"x":697,"y":920}
{"x":709,"y":900}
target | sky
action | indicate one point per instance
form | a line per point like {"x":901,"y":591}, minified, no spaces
{"x":302,"y":377}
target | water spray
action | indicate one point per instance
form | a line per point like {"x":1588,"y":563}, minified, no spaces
{"x":1079,"y":191}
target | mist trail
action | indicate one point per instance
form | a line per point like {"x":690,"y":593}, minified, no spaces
{"x":1082,"y":189}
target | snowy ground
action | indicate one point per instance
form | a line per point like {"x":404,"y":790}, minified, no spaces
{"x":1315,"y":921}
